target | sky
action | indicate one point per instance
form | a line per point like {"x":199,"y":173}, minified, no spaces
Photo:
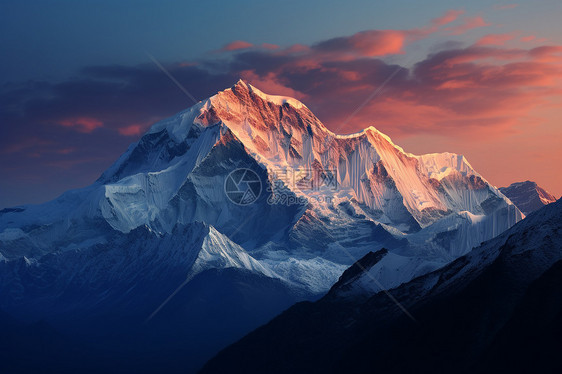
{"x":78,"y":81}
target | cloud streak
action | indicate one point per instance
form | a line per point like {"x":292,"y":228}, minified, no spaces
{"x":469,"y":23}
{"x":236,"y":45}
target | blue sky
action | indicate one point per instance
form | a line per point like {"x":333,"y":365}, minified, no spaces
{"x":53,"y":39}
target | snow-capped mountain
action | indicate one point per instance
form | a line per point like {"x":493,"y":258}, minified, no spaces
{"x":174,"y":208}
{"x":528,"y":196}
{"x":380,"y":195}
{"x":497,"y":308}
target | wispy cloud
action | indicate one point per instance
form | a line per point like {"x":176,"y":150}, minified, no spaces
{"x":84,"y":124}
{"x":495,"y":39}
{"x":237,"y":45}
{"x":505,"y":6}
{"x":468,"y":23}
{"x":448,"y":17}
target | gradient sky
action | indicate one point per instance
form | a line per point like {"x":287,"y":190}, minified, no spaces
{"x":479,"y":78}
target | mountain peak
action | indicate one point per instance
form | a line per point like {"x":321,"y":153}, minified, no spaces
{"x":242,"y":87}
{"x":241,"y":84}
{"x":528,"y":196}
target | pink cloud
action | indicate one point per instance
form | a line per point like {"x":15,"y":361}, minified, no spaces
{"x":448,"y":17}
{"x":269,"y":46}
{"x":82,"y":124}
{"x":447,"y":59}
{"x":270,"y":84}
{"x":236,"y":45}
{"x":297,"y":48}
{"x":547,"y":53}
{"x":495,"y":39}
{"x":131,"y":130}
{"x":505,"y":6}
{"x":378,"y":43}
{"x":370,"y":43}
{"x":468,"y":24}
{"x":66,"y":151}
{"x":25,"y":145}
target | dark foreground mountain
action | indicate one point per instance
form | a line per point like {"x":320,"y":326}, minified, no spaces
{"x":213,"y":310}
{"x":497,"y":309}
{"x":528,"y":196}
